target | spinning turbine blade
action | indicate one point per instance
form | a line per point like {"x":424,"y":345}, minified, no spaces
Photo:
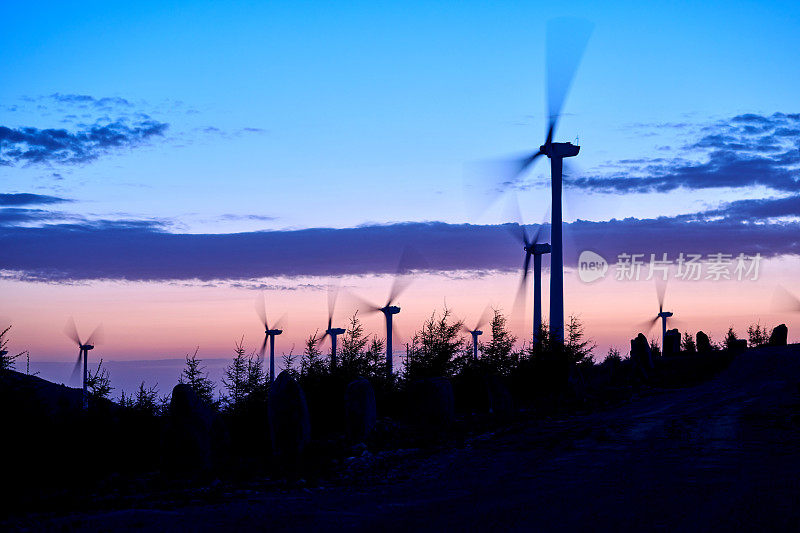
{"x":484,"y":318}
{"x":97,"y":336}
{"x":661,"y":289}
{"x":263,"y":348}
{"x":77,"y":368}
{"x":783,"y":301}
{"x":261,"y":309}
{"x":71,"y":331}
{"x":566,"y":41}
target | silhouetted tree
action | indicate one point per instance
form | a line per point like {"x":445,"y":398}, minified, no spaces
{"x":730,"y":338}
{"x":288,"y":362}
{"x":498,"y":354}
{"x":98,"y":384}
{"x":147,"y":400}
{"x":655,"y":348}
{"x":235,"y":379}
{"x":757,"y":335}
{"x":687,"y":344}
{"x":7,"y":358}
{"x":311,"y":362}
{"x":434,"y":348}
{"x":578,"y":347}
{"x":194,"y":376}
{"x":354,"y":343}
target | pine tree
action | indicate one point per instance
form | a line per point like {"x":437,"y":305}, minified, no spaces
{"x":235,"y":379}
{"x":688,"y":344}
{"x":311,"y":363}
{"x":578,"y":348}
{"x":6,"y":358}
{"x":435,"y":347}
{"x":98,"y":384}
{"x":194,"y":376}
{"x":498,"y":353}
{"x":147,"y":400}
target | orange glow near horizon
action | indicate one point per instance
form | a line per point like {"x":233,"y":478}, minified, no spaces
{"x":158,"y":320}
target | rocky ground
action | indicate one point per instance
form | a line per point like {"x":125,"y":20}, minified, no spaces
{"x":721,"y":455}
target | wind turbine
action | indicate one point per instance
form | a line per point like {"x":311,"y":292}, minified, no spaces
{"x":71,"y":331}
{"x":269,"y":336}
{"x":533,"y":248}
{"x":566,"y":42}
{"x":333,"y":332}
{"x":476,"y":332}
{"x":399,"y":284}
{"x":661,"y":289}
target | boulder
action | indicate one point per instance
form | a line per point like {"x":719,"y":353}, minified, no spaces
{"x":703,"y":343}
{"x":188,"y":447}
{"x":289,"y":421}
{"x":672,"y":342}
{"x":640,"y":352}
{"x":359,"y":410}
{"x":779,"y":336}
{"x":432,"y":403}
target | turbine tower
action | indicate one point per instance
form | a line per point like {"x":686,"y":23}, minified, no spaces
{"x":566,"y":41}
{"x":71,"y":331}
{"x":333,"y":332}
{"x":269,"y":336}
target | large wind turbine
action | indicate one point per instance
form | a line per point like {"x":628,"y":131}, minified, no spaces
{"x":269,"y":336}
{"x":566,"y":41}
{"x":333,"y":332}
{"x":71,"y":331}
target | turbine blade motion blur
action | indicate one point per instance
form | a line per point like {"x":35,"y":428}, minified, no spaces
{"x":71,"y":331}
{"x":566,"y":42}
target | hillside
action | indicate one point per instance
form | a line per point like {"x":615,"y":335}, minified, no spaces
{"x":720,"y":455}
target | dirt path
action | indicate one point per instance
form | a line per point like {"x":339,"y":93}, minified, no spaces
{"x":722,"y":455}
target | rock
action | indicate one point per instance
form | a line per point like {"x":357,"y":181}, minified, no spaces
{"x":501,"y":403}
{"x":779,"y":336}
{"x":703,"y":343}
{"x":289,"y":422}
{"x":432,"y":403}
{"x":672,"y":342}
{"x":359,"y":410}
{"x":640,"y":352}
{"x":188,"y":447}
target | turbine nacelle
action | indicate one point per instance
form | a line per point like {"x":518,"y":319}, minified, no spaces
{"x":664,"y":314}
{"x":273,"y":331}
{"x":335,"y":331}
{"x":559,"y":150}
{"x":538,"y":248}
{"x":87,"y":347}
{"x":476,"y":332}
{"x":389,"y":310}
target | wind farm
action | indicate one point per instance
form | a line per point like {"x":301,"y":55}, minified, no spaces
{"x":447,"y":365}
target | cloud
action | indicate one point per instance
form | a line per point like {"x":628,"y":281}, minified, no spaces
{"x":29,"y":145}
{"x":25,"y":198}
{"x":81,"y":100}
{"x":144,"y":251}
{"x":758,"y":209}
{"x":745,"y":151}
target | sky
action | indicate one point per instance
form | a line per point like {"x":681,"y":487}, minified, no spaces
{"x":163,"y":163}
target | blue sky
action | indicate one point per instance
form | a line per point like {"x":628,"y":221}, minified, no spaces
{"x":374,"y":112}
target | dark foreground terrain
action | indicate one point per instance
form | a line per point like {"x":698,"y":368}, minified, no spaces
{"x":723,"y":455}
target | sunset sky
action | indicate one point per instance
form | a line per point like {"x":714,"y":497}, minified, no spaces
{"x":161,"y":164}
